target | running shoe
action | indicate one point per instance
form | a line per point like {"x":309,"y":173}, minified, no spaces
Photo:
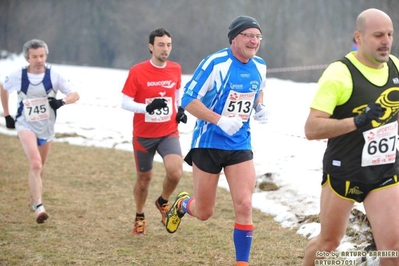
{"x":174,"y":215}
{"x":163,"y":210}
{"x":41,"y":215}
{"x":139,"y":227}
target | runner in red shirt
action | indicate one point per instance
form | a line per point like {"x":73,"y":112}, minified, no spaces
{"x":152,"y":92}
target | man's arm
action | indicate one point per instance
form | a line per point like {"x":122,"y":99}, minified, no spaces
{"x":4,"y":100}
{"x":259,"y":99}
{"x":319,"y":125}
{"x":72,"y":97}
{"x":10,"y":122}
{"x":199,"y":110}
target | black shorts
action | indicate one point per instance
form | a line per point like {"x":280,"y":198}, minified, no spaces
{"x":213,"y":160}
{"x":145,"y":148}
{"x":356,"y":191}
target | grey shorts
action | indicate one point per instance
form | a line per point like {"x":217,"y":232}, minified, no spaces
{"x":213,"y":160}
{"x":145,"y":148}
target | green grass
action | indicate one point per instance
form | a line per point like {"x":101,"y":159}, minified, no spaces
{"x":88,"y":196}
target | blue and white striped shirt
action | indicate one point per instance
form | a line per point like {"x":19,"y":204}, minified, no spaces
{"x":223,"y":83}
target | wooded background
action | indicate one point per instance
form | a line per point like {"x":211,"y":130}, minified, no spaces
{"x":114,"y":34}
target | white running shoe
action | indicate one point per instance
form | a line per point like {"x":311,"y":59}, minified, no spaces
{"x":41,"y":215}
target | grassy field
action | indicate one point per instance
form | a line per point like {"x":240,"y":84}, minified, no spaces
{"x":88,"y":196}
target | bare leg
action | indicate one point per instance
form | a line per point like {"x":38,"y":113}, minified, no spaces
{"x":205,"y":188}
{"x":382,"y":211}
{"x":37,"y":157}
{"x":334,"y":216}
{"x":140,"y":189}
{"x":241,"y":178}
{"x":173,"y":166}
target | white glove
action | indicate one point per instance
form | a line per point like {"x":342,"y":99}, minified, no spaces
{"x":230,"y":125}
{"x":261,"y":114}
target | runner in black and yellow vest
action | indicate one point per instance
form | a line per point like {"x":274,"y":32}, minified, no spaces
{"x":356,"y":109}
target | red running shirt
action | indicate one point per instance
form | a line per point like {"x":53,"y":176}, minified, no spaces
{"x":146,"y":82}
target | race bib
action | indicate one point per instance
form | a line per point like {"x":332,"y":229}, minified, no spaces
{"x":380,"y":145}
{"x":36,"y":109}
{"x":161,"y":115}
{"x":239,"y":105}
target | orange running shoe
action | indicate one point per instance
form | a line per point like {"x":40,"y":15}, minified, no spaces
{"x":163,"y":210}
{"x":139,"y":227}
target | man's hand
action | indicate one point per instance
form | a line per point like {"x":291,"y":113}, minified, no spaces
{"x":10,"y":122}
{"x":261,"y":114}
{"x":54,"y":103}
{"x":181,"y":116}
{"x":230,"y":125}
{"x":373,"y":111}
{"x":156,"y":104}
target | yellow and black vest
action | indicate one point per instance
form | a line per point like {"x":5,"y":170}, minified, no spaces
{"x":347,"y":149}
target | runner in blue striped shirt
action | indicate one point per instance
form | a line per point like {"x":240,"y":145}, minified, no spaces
{"x":222,"y":93}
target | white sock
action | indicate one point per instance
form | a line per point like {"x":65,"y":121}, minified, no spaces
{"x":39,"y":210}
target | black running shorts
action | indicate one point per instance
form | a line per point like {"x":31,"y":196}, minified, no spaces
{"x":213,"y":160}
{"x":356,"y":191}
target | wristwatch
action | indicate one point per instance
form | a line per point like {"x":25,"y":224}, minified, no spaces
{"x":63,"y":101}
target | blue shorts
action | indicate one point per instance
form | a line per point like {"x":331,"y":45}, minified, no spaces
{"x":40,"y":142}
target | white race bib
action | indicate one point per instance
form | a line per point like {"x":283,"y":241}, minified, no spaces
{"x":161,"y":115}
{"x":36,"y":109}
{"x":239,"y":105}
{"x":380,"y":145}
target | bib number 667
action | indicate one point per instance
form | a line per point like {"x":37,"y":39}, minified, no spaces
{"x":382,"y":146}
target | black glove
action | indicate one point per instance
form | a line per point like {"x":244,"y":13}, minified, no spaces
{"x":54,"y":103}
{"x":10,"y":123}
{"x":373,"y":111}
{"x":156,"y":104}
{"x":181,"y":116}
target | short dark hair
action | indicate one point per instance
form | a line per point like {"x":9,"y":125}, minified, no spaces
{"x":158,"y":33}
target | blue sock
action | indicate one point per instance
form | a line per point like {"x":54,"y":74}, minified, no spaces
{"x":243,"y":241}
{"x":185,"y":205}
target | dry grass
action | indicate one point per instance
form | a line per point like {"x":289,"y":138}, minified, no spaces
{"x":88,"y":195}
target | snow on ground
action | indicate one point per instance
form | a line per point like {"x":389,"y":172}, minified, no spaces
{"x":280,"y":148}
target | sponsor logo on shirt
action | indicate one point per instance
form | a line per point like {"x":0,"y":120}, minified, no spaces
{"x":236,"y":86}
{"x":254,"y":85}
{"x":167,"y":84}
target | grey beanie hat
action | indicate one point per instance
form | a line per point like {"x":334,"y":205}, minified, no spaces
{"x":241,"y":23}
